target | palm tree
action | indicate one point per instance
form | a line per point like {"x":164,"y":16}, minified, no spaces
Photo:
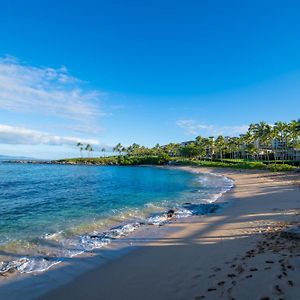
{"x":135,"y":149}
{"x":220,"y":145}
{"x":171,"y":149}
{"x":89,"y":148}
{"x":202,"y":144}
{"x":298,"y":125}
{"x":262,"y":134}
{"x":210,"y":142}
{"x":246,"y":144}
{"x":103,"y":150}
{"x":118,"y":148}
{"x":80,"y":146}
{"x":233,"y":146}
{"x":294,"y":132}
{"x":157,"y":149}
{"x":281,"y":130}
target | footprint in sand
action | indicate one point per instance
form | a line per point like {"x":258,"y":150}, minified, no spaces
{"x":290,"y":282}
{"x":240,"y":269}
{"x":278,"y":289}
{"x":269,"y":262}
{"x":217,"y":269}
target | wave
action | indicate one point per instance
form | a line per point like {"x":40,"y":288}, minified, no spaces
{"x":62,"y":248}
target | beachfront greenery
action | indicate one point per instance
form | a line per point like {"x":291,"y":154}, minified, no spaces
{"x":264,"y":146}
{"x":123,"y":160}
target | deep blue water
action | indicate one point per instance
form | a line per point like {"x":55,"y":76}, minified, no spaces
{"x":52,"y":211}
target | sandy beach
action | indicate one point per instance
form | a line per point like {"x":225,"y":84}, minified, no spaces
{"x":238,"y":253}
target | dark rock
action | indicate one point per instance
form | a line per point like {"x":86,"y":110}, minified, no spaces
{"x":94,"y":236}
{"x":292,"y":232}
{"x":170,"y":213}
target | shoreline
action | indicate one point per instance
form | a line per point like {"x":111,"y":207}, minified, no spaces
{"x":142,"y":229}
{"x":145,"y":249}
{"x":119,"y":229}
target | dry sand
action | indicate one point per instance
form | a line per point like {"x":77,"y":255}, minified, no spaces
{"x":238,"y":253}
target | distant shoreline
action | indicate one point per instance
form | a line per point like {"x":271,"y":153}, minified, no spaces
{"x":164,"y":161}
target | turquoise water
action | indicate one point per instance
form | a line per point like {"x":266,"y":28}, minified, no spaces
{"x":50,"y":212}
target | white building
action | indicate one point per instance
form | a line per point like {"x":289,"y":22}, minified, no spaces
{"x":289,"y":154}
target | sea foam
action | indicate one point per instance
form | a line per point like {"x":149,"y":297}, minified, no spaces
{"x":68,"y":247}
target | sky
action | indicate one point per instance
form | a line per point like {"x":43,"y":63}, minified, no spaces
{"x":149,"y":72}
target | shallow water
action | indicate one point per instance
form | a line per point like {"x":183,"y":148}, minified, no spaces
{"x":52,"y":212}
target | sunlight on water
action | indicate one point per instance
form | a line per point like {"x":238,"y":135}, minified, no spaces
{"x":52,"y":212}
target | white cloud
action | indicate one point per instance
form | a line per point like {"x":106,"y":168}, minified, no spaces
{"x":25,"y":136}
{"x":192,"y":127}
{"x":46,"y":91}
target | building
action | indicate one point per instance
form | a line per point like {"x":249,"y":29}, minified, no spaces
{"x":289,"y":154}
{"x":183,"y":144}
{"x":281,"y":151}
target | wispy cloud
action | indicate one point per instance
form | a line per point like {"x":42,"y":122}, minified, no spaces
{"x":25,"y":136}
{"x":46,"y":91}
{"x":193,"y":127}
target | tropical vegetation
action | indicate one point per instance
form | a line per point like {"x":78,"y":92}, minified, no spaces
{"x":263,"y":146}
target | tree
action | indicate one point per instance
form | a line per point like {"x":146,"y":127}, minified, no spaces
{"x":171,"y":149}
{"x":189,"y":150}
{"x":294,"y":133}
{"x":157,"y":149}
{"x":103,"y":150}
{"x":118,"y":148}
{"x":220,"y":145}
{"x":80,"y":146}
{"x":202,"y":146}
{"x":246,"y":144}
{"x":89,"y":148}
{"x":262,"y":135}
{"x":281,"y":135}
{"x":233,"y":146}
{"x":210,"y":142}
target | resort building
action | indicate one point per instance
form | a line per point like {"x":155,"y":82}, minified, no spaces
{"x":289,"y":154}
{"x":183,"y":144}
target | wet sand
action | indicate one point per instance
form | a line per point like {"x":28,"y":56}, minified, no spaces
{"x":239,"y":253}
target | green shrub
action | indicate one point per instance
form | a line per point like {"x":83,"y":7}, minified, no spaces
{"x":120,"y":160}
{"x":129,"y":160}
{"x":280,"y":167}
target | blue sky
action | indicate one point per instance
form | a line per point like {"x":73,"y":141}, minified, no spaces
{"x":142,"y":71}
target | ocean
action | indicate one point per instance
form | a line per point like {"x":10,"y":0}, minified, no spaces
{"x":50,"y":213}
